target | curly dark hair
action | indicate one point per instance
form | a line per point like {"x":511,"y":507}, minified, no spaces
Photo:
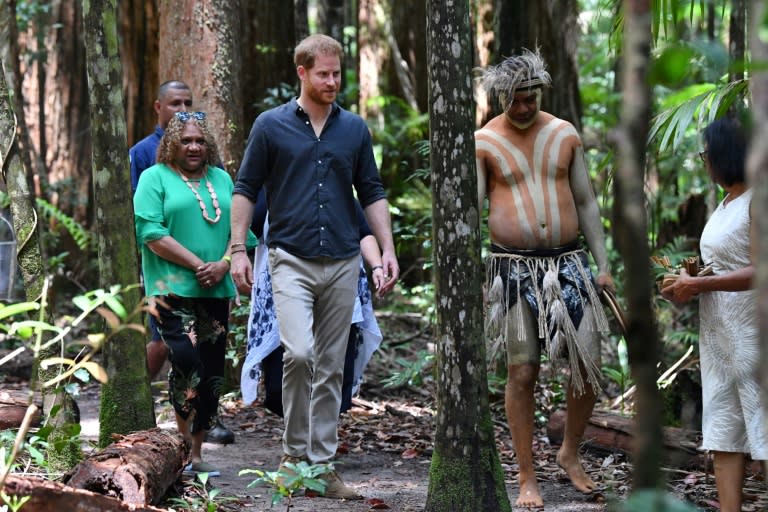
{"x":171,"y":141}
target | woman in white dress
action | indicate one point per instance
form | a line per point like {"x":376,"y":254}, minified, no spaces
{"x":732,"y":419}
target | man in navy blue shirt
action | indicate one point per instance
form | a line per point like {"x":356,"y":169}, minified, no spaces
{"x":172,"y":96}
{"x":309,"y":154}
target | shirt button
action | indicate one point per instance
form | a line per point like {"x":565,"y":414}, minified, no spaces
{"x":321,"y":206}
{"x":319,"y":161}
{"x":320,"y":185}
{"x":306,"y":122}
{"x":322,"y":228}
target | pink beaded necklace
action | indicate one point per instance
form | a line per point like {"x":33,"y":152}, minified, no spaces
{"x":214,"y":199}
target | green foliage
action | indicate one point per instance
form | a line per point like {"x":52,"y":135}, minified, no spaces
{"x":620,"y":374}
{"x":78,"y":233}
{"x":202,"y":499}
{"x":237,"y":345}
{"x":37,"y":336}
{"x":285,"y":484}
{"x":411,"y":371}
{"x":14,"y":503}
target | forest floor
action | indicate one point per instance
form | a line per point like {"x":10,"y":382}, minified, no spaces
{"x":386,"y":446}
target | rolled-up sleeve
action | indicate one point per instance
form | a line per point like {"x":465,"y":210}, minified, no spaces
{"x":367,"y":183}
{"x":254,"y":167}
{"x":148,"y":209}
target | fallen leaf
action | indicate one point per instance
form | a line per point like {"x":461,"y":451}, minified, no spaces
{"x":410,"y":453}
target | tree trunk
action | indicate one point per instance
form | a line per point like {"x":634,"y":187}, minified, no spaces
{"x":61,"y":455}
{"x":409,"y":30}
{"x":269,"y":35}
{"x":630,"y":235}
{"x":57,"y":124}
{"x":138,"y":25}
{"x":330,"y":18}
{"x":211,"y":31}
{"x":301,"y":19}
{"x":126,"y":400}
{"x":137,"y":469}
{"x":372,"y":48}
{"x":466,"y":473}
{"x":48,"y":496}
{"x":737,"y":39}
{"x":757,"y":172}
{"x":554,"y":27}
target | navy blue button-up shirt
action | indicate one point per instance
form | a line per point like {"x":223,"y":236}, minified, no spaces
{"x":309,"y":179}
{"x":143,"y":154}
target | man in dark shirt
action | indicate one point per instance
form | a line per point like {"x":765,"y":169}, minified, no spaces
{"x":172,"y":96}
{"x":309,"y":154}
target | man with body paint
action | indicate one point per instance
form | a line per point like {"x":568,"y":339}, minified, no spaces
{"x":540,"y":289}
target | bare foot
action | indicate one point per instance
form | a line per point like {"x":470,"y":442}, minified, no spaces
{"x":575,"y":471}
{"x":529,"y":494}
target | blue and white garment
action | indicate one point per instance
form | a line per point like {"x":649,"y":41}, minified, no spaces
{"x":264,"y":335}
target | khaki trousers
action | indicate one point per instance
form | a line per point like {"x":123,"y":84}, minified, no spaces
{"x":314,"y":300}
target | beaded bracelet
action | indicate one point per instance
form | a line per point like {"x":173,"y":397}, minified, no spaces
{"x":376,"y":267}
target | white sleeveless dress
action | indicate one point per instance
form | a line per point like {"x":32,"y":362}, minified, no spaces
{"x":732,"y":419}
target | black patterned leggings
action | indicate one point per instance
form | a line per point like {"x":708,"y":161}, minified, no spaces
{"x":195,"y":331}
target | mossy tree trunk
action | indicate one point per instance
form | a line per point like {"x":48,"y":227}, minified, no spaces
{"x":62,"y":455}
{"x":757,"y":168}
{"x":466,"y":474}
{"x":126,"y":400}
{"x":631,"y":237}
{"x":200,"y":44}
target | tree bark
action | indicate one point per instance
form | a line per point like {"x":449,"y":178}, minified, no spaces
{"x":465,"y":473}
{"x":737,"y":39}
{"x":61,"y":455}
{"x":373,"y":56}
{"x":630,"y":235}
{"x":48,"y":496}
{"x":409,"y":30}
{"x":139,"y":48}
{"x":211,"y":31}
{"x":301,"y":19}
{"x":330,"y":18}
{"x":58,"y":128}
{"x":126,"y":400}
{"x":757,"y":177}
{"x":137,"y":469}
{"x":269,"y":35}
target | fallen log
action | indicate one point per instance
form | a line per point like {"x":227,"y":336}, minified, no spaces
{"x":13,"y":406}
{"x":49,"y":496}
{"x":609,"y":432}
{"x":138,"y":468}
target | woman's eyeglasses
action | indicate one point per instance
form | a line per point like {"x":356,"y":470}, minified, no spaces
{"x":703,"y":156}
{"x":185,"y":116}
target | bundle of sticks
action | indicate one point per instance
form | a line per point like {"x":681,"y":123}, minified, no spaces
{"x":692,"y":265}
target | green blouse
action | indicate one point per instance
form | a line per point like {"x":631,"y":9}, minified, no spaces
{"x":165,"y":206}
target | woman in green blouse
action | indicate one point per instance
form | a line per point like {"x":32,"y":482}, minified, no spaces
{"x":182,"y":208}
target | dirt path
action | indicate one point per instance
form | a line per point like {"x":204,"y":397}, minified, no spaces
{"x":384,"y":452}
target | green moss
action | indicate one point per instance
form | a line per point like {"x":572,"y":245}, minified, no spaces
{"x":454,"y":487}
